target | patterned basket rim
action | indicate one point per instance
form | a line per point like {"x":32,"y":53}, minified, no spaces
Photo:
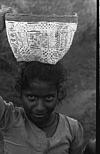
{"x":72,"y":18}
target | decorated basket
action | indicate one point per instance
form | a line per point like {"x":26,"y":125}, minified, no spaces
{"x":39,"y":37}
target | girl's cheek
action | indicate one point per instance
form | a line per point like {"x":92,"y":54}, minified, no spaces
{"x":51,"y":104}
{"x":26,"y":102}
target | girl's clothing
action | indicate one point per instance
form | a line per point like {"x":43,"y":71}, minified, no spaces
{"x":23,"y":137}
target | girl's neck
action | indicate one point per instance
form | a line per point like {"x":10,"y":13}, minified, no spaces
{"x":51,"y":126}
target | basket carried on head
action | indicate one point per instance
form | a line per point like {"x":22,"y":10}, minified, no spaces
{"x":40,"y":38}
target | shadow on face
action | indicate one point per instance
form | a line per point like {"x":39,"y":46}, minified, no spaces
{"x":39,"y":100}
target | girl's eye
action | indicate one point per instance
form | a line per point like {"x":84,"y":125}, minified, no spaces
{"x":49,"y":98}
{"x":31,"y":98}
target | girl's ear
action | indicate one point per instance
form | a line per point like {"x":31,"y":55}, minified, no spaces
{"x":61,"y":92}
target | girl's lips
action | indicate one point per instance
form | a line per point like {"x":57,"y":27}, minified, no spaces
{"x":39,"y":115}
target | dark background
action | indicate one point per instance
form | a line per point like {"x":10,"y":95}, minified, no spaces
{"x":80,"y":60}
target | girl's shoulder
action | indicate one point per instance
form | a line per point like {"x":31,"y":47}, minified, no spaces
{"x":69,"y":120}
{"x":73,"y":125}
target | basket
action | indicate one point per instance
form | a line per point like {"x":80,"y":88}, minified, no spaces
{"x":39,"y":37}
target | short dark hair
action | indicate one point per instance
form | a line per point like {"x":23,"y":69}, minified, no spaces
{"x":30,"y":71}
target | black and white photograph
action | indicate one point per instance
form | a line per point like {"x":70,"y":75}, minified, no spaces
{"x":48,"y":76}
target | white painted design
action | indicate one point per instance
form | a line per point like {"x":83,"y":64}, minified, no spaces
{"x":46,"y":42}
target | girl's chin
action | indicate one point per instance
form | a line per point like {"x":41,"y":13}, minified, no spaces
{"x":39,"y":122}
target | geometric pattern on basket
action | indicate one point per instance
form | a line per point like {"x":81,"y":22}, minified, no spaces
{"x":42,"y":41}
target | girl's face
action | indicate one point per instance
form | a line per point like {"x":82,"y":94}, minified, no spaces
{"x":39,"y":101}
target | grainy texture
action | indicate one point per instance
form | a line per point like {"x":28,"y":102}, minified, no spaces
{"x":80,"y":60}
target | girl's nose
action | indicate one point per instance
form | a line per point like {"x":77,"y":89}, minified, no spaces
{"x":40,"y":106}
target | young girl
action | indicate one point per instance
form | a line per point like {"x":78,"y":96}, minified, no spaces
{"x":35,"y":128}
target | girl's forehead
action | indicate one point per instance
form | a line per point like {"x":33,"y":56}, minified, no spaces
{"x":37,"y":87}
{"x":42,"y":84}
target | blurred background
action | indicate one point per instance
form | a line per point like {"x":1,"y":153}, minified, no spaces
{"x":80,"y":61}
